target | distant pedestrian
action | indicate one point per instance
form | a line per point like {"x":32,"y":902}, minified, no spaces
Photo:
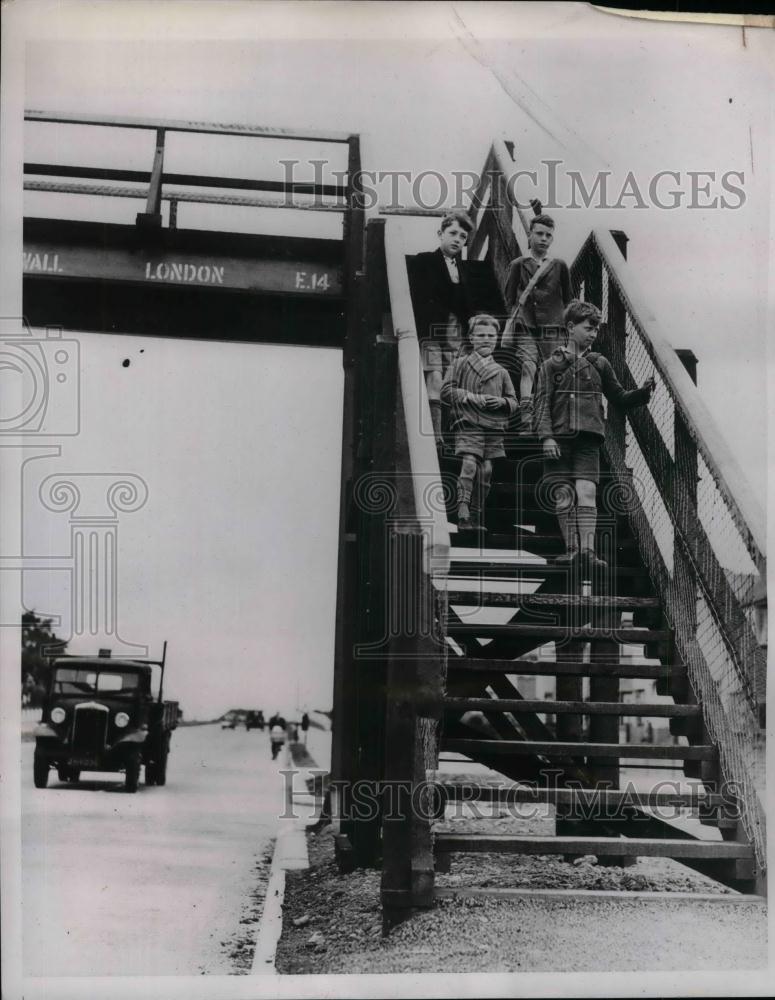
{"x":276,"y":739}
{"x":305,"y":726}
{"x":27,"y":690}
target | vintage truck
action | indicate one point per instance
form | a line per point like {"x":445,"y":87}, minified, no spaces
{"x":100,"y":714}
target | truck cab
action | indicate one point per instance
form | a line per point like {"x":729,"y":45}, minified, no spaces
{"x":99,"y":714}
{"x":255,"y":720}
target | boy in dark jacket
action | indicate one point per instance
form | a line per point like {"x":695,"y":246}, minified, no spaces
{"x":442,"y":305}
{"x":537,"y":291}
{"x":570,"y":422}
{"x":482,"y":398}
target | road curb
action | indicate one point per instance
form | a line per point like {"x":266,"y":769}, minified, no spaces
{"x":290,"y":854}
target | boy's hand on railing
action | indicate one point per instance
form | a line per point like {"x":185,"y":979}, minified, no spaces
{"x":536,"y":205}
{"x":650,"y":384}
{"x":551,"y":448}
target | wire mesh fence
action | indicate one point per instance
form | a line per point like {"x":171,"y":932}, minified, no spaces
{"x":702,"y":553}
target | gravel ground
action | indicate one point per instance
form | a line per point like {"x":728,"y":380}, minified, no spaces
{"x":551,"y":871}
{"x":332,"y":922}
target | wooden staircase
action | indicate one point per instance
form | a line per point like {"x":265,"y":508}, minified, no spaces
{"x":681,"y":611}
{"x":575,"y":765}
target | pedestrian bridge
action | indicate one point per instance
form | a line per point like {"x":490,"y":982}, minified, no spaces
{"x":605,"y":696}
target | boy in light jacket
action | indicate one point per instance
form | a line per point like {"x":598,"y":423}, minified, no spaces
{"x":482,"y":399}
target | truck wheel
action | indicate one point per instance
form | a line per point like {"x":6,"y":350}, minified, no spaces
{"x":161,"y":767}
{"x":132,"y":775}
{"x":40,"y":770}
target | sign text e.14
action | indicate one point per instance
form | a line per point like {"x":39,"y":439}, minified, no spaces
{"x":311,"y":282}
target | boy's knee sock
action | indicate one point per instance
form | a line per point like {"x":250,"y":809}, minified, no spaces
{"x":435,"y":405}
{"x":483,"y":481}
{"x":566,"y":519}
{"x":587,"y":521}
{"x":465,"y":483}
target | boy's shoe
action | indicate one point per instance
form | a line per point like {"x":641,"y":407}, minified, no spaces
{"x":476,"y":521}
{"x":566,"y":558}
{"x":592,"y":560}
{"x":464,"y":522}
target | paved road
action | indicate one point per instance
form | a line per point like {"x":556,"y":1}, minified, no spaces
{"x":151,"y":883}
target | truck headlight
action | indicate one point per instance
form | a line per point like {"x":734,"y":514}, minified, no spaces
{"x":58,"y":714}
{"x":122,"y":720}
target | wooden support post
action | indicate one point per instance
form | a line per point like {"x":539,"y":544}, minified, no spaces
{"x":374,"y":601}
{"x":151,"y":217}
{"x":415,"y":655}
{"x":604,"y":728}
{"x":568,"y":727}
{"x":344,"y":751}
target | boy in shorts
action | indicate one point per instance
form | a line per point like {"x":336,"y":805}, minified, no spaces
{"x":537,"y":291}
{"x":442,"y":306}
{"x":569,"y":421}
{"x":482,"y":399}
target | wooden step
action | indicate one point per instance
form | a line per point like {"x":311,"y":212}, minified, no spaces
{"x":507,"y":489}
{"x":466,"y":791}
{"x":526,"y":458}
{"x":520,"y":513}
{"x":549,"y":668}
{"x":513,"y":513}
{"x":549,"y":633}
{"x":453,"y":843}
{"x":519,"y":705}
{"x":523,"y":541}
{"x":516,"y":567}
{"x":521,"y":748}
{"x":497,"y":598}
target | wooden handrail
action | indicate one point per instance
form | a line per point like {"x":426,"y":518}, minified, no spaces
{"x":422,"y":447}
{"x":176,"y":194}
{"x":175,"y":125}
{"x":702,"y":426}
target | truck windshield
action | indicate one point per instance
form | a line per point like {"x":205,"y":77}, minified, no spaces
{"x":84,"y":680}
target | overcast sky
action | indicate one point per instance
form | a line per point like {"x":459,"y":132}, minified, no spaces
{"x":233,"y":557}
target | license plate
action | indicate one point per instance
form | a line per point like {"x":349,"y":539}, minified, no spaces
{"x":83,"y":762}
